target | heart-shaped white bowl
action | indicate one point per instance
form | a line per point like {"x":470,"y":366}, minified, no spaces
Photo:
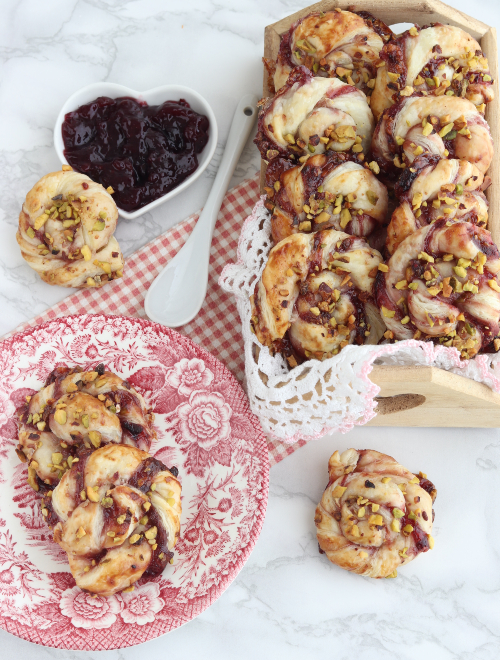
{"x":154,"y":96}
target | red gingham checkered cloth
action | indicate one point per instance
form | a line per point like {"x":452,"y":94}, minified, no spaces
{"x":217,"y":326}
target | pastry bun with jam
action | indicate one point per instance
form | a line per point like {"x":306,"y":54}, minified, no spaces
{"x":315,"y":296}
{"x":336,"y":43}
{"x":444,"y":126}
{"x":76,"y":411}
{"x":375,"y":515}
{"x":435,"y":60}
{"x":442,"y":284}
{"x":117,"y":515}
{"x":434,"y":189}
{"x":312,"y":115}
{"x":328,"y":191}
{"x":66,"y":229}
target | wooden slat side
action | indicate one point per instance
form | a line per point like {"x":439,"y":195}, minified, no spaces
{"x":446,"y":399}
{"x":395,"y":11}
{"x":490,"y":49}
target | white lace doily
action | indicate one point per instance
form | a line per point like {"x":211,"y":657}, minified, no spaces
{"x":316,"y":398}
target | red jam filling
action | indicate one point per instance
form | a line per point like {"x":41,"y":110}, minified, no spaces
{"x":141,"y":151}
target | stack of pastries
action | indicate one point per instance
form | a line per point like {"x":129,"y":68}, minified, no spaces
{"x":377,"y":152}
{"x":114,"y":509}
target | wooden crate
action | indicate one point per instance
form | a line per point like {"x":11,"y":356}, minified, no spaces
{"x":424,"y":396}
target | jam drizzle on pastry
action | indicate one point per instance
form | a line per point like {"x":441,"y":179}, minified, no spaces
{"x":328,"y":191}
{"x":336,"y":43}
{"x":442,"y":284}
{"x":374,"y":515}
{"x":434,"y":189}
{"x":315,"y":295}
{"x":311,"y":115}
{"x":433,"y":60}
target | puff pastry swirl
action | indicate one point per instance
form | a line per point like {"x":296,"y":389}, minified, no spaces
{"x":310,"y":115}
{"x":317,"y":290}
{"x":118,"y":511}
{"x":78,"y":410}
{"x":434,"y":189}
{"x":375,"y":515}
{"x":446,"y":126}
{"x":443,"y":285}
{"x":335,"y":43}
{"x":66,"y":229}
{"x":436,"y":60}
{"x":328,"y":191}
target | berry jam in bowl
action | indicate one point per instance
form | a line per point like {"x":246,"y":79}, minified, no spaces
{"x":148,"y":146}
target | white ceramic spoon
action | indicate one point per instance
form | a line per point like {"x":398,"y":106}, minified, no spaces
{"x":177,"y":294}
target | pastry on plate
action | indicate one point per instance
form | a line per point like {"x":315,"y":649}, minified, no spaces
{"x":315,"y":296}
{"x":66,"y":229}
{"x":442,"y":284}
{"x":311,"y":115}
{"x":434,"y":189}
{"x":445,"y":126}
{"x":328,"y":191}
{"x":375,"y":515}
{"x":435,"y":60}
{"x":75,"y":411}
{"x":117,"y":515}
{"x":335,"y":43}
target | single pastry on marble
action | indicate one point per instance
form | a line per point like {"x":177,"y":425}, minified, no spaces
{"x":335,"y":43}
{"x":117,"y":515}
{"x":375,"y":515}
{"x":329,"y":191}
{"x":66,"y":229}
{"x":435,"y":60}
{"x":315,"y":296}
{"x":433,"y":189}
{"x":76,"y":411}
{"x":443,"y":284}
{"x":311,"y":115}
{"x":445,"y":126}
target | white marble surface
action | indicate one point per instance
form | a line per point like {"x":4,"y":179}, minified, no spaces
{"x":288,"y":601}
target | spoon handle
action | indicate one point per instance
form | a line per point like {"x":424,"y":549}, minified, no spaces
{"x":177,"y":294}
{"x":243,"y":121}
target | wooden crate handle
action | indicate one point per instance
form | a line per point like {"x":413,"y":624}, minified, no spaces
{"x":428,"y":396}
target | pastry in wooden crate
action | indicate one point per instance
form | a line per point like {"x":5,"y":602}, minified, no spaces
{"x":445,"y":126}
{"x":66,"y":229}
{"x":442,"y":284}
{"x":317,"y":289}
{"x":335,"y":43}
{"x":435,"y":188}
{"x":435,"y":60}
{"x":310,"y":115}
{"x":319,"y":397}
{"x":375,"y":515}
{"x":328,"y":191}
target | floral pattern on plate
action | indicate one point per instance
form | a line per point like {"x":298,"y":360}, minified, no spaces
{"x":204,"y":427}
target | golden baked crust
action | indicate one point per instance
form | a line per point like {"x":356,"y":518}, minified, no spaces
{"x":435,"y":189}
{"x":443,"y":285}
{"x":335,"y":43}
{"x":78,"y":410}
{"x":445,"y":126}
{"x":66,"y":229}
{"x":312,"y":115}
{"x":118,"y":512}
{"x":318,"y":289}
{"x":436,"y":60}
{"x":314,"y":196}
{"x":375,"y":515}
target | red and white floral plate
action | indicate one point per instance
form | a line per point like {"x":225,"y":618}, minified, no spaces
{"x":204,"y":427}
